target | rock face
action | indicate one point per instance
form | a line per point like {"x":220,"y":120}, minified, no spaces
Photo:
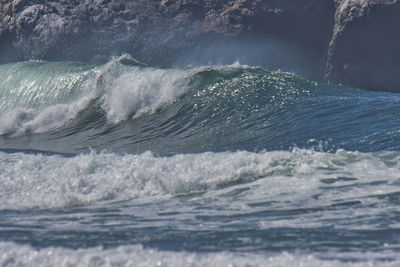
{"x":350,"y":41}
{"x":82,"y":30}
{"x":364,"y":49}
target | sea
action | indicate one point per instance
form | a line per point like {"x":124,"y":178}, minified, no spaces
{"x":125,"y":164}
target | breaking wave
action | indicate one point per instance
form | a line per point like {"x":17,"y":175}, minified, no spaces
{"x":125,"y":106}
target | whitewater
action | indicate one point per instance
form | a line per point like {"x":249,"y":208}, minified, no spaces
{"x":124,"y":164}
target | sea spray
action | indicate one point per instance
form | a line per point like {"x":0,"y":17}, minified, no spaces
{"x":132,"y":91}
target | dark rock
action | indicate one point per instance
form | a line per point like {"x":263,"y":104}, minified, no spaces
{"x":364,"y":48}
{"x":353,"y":42}
{"x":151,"y":30}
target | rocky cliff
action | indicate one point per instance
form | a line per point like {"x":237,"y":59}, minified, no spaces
{"x":363,"y":51}
{"x":350,"y":41}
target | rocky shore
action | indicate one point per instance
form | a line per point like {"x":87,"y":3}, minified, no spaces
{"x":354,"y":42}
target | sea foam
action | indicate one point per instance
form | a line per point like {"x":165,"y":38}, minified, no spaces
{"x":52,"y":181}
{"x":135,"y":255}
{"x":41,"y":96}
{"x":29,"y":120}
{"x":132,"y":91}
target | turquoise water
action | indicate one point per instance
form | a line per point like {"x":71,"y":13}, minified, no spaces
{"x":126,"y":164}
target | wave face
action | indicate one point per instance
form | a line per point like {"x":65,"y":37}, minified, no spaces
{"x":127,"y":164}
{"x":124,"y":106}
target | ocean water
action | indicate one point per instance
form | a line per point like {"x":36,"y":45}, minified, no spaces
{"x":124,"y":164}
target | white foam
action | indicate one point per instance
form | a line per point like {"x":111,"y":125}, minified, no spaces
{"x":43,"y":97}
{"x":230,"y":183}
{"x":53,"y":181}
{"x":20,"y":121}
{"x":135,"y":255}
{"x":41,"y":102}
{"x":139,"y":90}
{"x":29,"y":181}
